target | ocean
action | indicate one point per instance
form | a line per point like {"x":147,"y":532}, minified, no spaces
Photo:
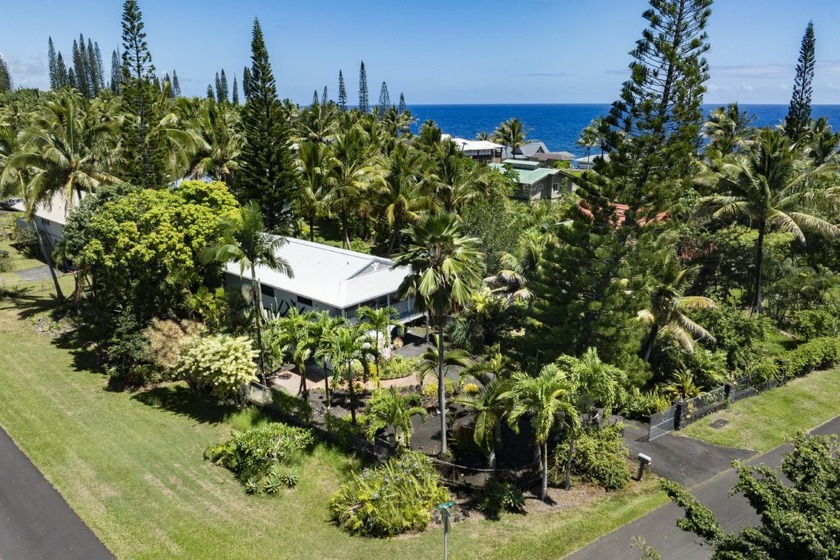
{"x":559,"y":125}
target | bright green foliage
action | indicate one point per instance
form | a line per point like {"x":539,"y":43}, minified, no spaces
{"x":495,"y":497}
{"x":395,"y":498}
{"x":142,"y":250}
{"x":446,"y":268}
{"x":263,"y":458}
{"x":813,"y":323}
{"x":267,"y":169}
{"x":819,"y":353}
{"x":546,"y":398}
{"x":389,"y":409}
{"x":586,"y":293}
{"x":797,"y":520}
{"x":220,"y":363}
{"x":771,"y":185}
{"x":798,"y":119}
{"x":600,"y":457}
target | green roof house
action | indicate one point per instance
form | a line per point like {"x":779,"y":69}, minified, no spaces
{"x":536,"y":182}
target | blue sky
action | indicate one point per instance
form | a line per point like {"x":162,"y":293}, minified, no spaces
{"x":436,"y":51}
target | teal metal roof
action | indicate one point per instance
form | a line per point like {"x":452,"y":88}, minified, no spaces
{"x":528,"y":176}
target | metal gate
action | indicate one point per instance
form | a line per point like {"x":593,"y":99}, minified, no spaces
{"x":662,"y":422}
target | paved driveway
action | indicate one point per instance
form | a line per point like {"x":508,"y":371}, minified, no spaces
{"x":659,"y":528}
{"x":35,"y":521}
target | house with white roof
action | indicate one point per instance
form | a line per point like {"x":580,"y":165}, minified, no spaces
{"x":479,"y":150}
{"x":327,"y":278}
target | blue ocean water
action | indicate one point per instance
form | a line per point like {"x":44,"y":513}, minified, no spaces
{"x":559,"y":125}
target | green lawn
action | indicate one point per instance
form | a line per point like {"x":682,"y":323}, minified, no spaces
{"x":767,"y":420}
{"x":131,"y":465}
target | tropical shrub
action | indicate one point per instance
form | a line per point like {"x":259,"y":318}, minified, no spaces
{"x":263,"y":459}
{"x":391,"y":499}
{"x":497,"y":496}
{"x":814,"y":323}
{"x":398,"y":367}
{"x":600,"y":458}
{"x":638,"y":405}
{"x":220,"y":363}
{"x":819,"y":353}
{"x":738,"y":333}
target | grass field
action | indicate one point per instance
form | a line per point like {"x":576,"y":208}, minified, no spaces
{"x":764,"y":421}
{"x":131,"y":466}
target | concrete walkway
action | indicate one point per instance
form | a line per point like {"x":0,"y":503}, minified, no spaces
{"x":35,"y":521}
{"x":659,"y":527}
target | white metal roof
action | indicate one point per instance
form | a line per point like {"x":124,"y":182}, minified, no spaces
{"x":336,"y":277}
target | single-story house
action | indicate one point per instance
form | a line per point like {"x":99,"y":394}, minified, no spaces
{"x":327,"y":278}
{"x":588,"y":162}
{"x":536,"y":182}
{"x":479,"y":150}
{"x":549,"y":158}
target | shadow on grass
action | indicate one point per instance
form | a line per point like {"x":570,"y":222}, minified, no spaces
{"x":181,"y":400}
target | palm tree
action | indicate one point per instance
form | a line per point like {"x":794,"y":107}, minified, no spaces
{"x":388,"y":408}
{"x":445,"y":270}
{"x":62,"y":151}
{"x":403,"y":185}
{"x":490,"y":403}
{"x":728,"y":129}
{"x":314,"y":169}
{"x":546,"y":398}
{"x":249,"y":245}
{"x":292,"y":335}
{"x":588,"y":138}
{"x":430,"y":360}
{"x":355,"y":172}
{"x":512,"y":134}
{"x":344,"y":347}
{"x":380,"y":321}
{"x":668,"y":304}
{"x":218,"y":138}
{"x":323,"y":329}
{"x":596,"y":385}
{"x":770,"y":186}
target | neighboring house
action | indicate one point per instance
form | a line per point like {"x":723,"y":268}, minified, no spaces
{"x":479,"y":150}
{"x":51,"y":217}
{"x":588,"y":162}
{"x":330,"y":279}
{"x":528,"y":150}
{"x":551,"y":158}
{"x":536,"y":182}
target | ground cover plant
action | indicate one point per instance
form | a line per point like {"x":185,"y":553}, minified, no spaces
{"x":264,"y":458}
{"x":394,"y":498}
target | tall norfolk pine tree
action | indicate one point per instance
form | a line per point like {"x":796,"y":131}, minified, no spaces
{"x":143,"y":141}
{"x":267,"y":172}
{"x":342,"y":92}
{"x":657,"y":119}
{"x":364,"y":106}
{"x":799,"y":112}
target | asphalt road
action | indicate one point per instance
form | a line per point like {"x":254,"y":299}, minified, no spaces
{"x":659,"y":527}
{"x":35,"y":521}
